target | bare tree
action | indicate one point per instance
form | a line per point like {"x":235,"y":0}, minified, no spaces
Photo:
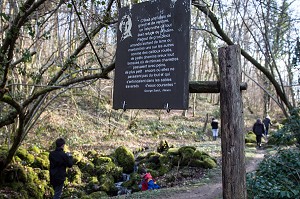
{"x":26,"y":92}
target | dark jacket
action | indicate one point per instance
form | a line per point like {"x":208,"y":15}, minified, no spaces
{"x":59,"y":161}
{"x":214,"y":124}
{"x":267,"y":122}
{"x":259,"y":128}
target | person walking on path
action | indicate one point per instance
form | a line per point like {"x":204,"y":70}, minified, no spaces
{"x":59,"y":161}
{"x":215,"y":128}
{"x":267,"y":123}
{"x":259,"y":130}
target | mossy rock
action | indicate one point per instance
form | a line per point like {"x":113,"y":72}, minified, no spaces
{"x":189,"y":148}
{"x":250,"y":137}
{"x":151,"y":165}
{"x":99,"y":160}
{"x":34,"y":149}
{"x":105,"y":168}
{"x":173,"y":151}
{"x":116,"y":172}
{"x":164,"y":168}
{"x":32,"y":175}
{"x":92,"y":185}
{"x":125,"y":159}
{"x":141,"y":157}
{"x":41,"y":162}
{"x":27,"y":158}
{"x":91,"y":154}
{"x":164,"y":159}
{"x":86,"y":166}
{"x":44,"y":175}
{"x":186,"y":155}
{"x":77,"y":157}
{"x":107,"y":184}
{"x":209,"y":163}
{"x":175,"y":160}
{"x":135,"y":179}
{"x":34,"y":191}
{"x":15,"y":173}
{"x":200,"y":155}
{"x":197,"y":163}
{"x":110,"y":169}
{"x":153,"y":157}
{"x":74,"y":175}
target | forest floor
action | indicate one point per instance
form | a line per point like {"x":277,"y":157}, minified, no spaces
{"x":213,"y":190}
{"x":203,"y":186}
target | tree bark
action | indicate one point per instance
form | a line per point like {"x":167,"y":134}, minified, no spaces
{"x":232,"y":126}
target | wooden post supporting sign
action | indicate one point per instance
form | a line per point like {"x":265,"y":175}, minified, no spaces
{"x":232,"y":121}
{"x":232,"y":124}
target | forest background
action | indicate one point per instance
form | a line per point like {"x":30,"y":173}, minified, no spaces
{"x":53,"y":84}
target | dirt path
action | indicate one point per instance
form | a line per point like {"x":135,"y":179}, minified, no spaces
{"x":213,"y":190}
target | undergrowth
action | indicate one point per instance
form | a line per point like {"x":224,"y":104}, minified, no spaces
{"x":277,"y":176}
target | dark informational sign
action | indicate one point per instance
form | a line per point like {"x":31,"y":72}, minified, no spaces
{"x":152,"y":58}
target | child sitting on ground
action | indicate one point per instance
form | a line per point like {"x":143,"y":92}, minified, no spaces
{"x":148,"y":183}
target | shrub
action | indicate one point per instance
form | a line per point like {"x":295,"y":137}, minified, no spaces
{"x":277,"y":176}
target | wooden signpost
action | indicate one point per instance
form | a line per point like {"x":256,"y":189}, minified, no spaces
{"x":232,"y":122}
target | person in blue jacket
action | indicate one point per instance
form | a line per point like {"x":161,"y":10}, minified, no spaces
{"x":59,"y":161}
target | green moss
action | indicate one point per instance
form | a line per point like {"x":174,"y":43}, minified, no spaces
{"x":41,"y":162}
{"x":21,"y":153}
{"x":77,"y":157}
{"x":26,"y":157}
{"x":91,"y":154}
{"x":133,"y":180}
{"x":34,"y":191}
{"x":200,"y":154}
{"x":107,"y":183}
{"x":125,"y":159}
{"x":34,"y":149}
{"x":197,"y":163}
{"x":141,"y":157}
{"x":173,"y":151}
{"x":250,"y":137}
{"x":164,"y":168}
{"x":164,"y":159}
{"x":116,"y":172}
{"x":74,"y":175}
{"x":105,"y":168}
{"x":44,"y":175}
{"x":184,"y":148}
{"x":175,"y":160}
{"x":86,"y":166}
{"x":92,"y":185}
{"x":187,"y":155}
{"x":32,"y":175}
{"x":209,"y":163}
{"x":99,"y":160}
{"x":15,"y":173}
